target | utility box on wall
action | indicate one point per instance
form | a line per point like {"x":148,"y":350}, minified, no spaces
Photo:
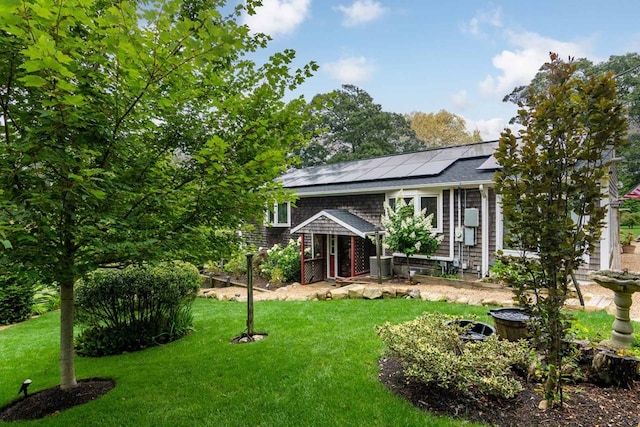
{"x":471,"y":218}
{"x":469,"y":236}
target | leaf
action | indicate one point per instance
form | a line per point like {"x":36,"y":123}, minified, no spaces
{"x":7,"y":244}
{"x":32,"y":80}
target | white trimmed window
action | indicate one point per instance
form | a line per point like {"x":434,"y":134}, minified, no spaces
{"x":429,"y":201}
{"x":279,"y":215}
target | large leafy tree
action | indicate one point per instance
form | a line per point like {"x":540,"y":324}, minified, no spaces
{"x":551,"y":187}
{"x":348,"y":125}
{"x":441,"y":129}
{"x":134,"y":131}
{"x":626,"y":69}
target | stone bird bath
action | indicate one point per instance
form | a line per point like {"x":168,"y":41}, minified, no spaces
{"x":623,"y":284}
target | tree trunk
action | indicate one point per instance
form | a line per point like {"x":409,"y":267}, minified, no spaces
{"x":67,"y":364}
{"x":409,"y":271}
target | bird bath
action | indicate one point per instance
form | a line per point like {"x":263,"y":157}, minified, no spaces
{"x":623,"y":284}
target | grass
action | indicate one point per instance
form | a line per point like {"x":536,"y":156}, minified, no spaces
{"x":317,"y":367}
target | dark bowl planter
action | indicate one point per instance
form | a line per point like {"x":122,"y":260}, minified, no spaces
{"x":478,"y":331}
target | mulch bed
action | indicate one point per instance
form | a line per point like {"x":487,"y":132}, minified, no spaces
{"x":585,"y":404}
{"x":54,"y":400}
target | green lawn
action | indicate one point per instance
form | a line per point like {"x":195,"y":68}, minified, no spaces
{"x":317,"y":367}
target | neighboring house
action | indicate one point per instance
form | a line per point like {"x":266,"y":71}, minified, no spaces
{"x":339,"y":210}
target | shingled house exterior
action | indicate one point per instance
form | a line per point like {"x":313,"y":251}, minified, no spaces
{"x":339,"y":210}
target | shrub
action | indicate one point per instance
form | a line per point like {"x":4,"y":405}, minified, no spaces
{"x":135,"y":308}
{"x":16,"y":299}
{"x":46,"y":298}
{"x":282,"y":263}
{"x":436,"y":355}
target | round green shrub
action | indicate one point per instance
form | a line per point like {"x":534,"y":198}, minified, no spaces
{"x":134,"y":308}
{"x":16,"y":300}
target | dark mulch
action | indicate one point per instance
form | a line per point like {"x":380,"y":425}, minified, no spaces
{"x":54,"y":400}
{"x":585,"y":404}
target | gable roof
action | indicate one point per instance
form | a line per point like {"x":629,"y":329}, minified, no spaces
{"x":336,"y":221}
{"x":461,"y":163}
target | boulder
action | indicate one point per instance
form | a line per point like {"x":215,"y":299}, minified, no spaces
{"x":372,"y":293}
{"x":356,"y":291}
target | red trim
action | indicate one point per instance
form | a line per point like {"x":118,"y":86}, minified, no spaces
{"x":353,"y":256}
{"x":302,"y":259}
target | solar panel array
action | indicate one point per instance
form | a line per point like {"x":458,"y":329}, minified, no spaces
{"x":422,"y":163}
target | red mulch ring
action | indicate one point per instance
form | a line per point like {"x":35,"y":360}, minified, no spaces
{"x":54,"y":400}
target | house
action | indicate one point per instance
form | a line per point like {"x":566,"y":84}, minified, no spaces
{"x":339,"y":210}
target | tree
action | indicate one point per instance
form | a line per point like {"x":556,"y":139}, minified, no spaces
{"x":134,"y":133}
{"x":350,"y":126}
{"x":441,"y":129}
{"x":626,"y":69}
{"x":550,"y":183}
{"x":409,"y":232}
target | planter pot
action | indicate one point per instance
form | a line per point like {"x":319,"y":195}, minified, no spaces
{"x":477,"y":332}
{"x":510,"y":323}
{"x":628,"y":249}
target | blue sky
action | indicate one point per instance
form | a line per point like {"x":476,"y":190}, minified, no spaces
{"x":462,"y":56}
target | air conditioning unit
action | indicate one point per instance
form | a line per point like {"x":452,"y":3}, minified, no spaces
{"x":385,"y":269}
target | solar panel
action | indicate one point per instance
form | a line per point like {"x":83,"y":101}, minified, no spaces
{"x":490,"y":163}
{"x":432,"y":168}
{"x":422,"y":163}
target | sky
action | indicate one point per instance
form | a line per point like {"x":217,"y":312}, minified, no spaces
{"x":463,"y":56}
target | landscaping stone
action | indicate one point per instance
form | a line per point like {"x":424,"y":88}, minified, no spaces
{"x":389,"y":293}
{"x":414,"y":294}
{"x":356,"y":291}
{"x":372,"y":293}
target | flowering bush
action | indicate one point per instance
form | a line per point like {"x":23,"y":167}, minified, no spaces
{"x":283,"y":263}
{"x":408,"y":232}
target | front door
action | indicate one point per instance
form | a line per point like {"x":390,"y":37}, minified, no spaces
{"x":344,"y":256}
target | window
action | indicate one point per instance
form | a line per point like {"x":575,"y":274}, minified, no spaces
{"x":279,"y":215}
{"x":431,"y":203}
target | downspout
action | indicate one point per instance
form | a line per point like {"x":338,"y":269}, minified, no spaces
{"x":302,"y":259}
{"x":452,"y":224}
{"x":484,"y":192}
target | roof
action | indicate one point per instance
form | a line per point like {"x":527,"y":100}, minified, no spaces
{"x":336,"y":221}
{"x":456,"y":164}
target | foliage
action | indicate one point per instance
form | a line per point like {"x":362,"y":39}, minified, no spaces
{"x":123,"y":142}
{"x":282,"y":263}
{"x":136,"y":307}
{"x":432,"y":352}
{"x":441,"y":129}
{"x":236,"y":265}
{"x":629,"y":219}
{"x":46,"y":298}
{"x":16,"y":299}
{"x":626,"y":70}
{"x":626,"y":238}
{"x":507,"y":271}
{"x":408,"y":232}
{"x":550,"y":182}
{"x":348,"y":125}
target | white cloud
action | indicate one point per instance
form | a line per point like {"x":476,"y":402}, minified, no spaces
{"x":360,"y":12}
{"x":518,"y":66}
{"x":351,"y":70}
{"x":492,"y":17}
{"x":278,"y":17}
{"x":460,"y":99}
{"x":490,"y":129}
